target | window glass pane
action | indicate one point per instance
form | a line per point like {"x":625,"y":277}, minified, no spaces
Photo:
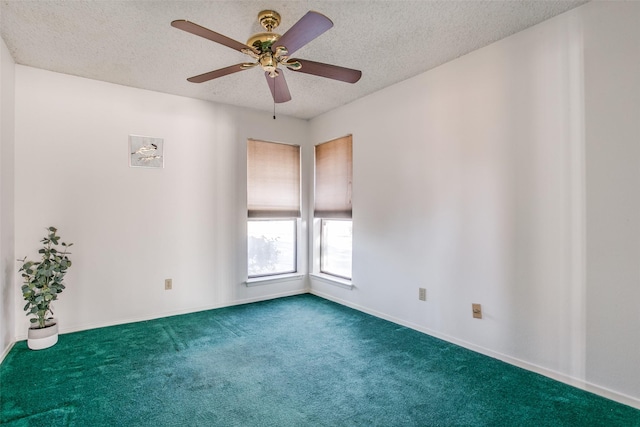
{"x":272,"y":247}
{"x":335,"y":247}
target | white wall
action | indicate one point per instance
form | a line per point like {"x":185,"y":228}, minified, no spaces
{"x":469,"y":180}
{"x":7,"y":254}
{"x":134,"y":227}
{"x":612,"y":77}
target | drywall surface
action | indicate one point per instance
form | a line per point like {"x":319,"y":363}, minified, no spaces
{"x":612,"y":112}
{"x":7,"y":255}
{"x":469,"y":181}
{"x":134,"y":227}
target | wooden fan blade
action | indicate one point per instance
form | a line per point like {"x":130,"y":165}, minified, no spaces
{"x":306,"y":29}
{"x":216,"y":73}
{"x":279,"y":88}
{"x":329,"y":71}
{"x":196,"y":29}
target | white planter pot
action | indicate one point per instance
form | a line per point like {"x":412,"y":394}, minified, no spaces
{"x":41,"y":338}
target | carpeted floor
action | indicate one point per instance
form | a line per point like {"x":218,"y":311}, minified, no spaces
{"x":297,"y":361}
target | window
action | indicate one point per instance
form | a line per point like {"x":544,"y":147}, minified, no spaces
{"x":272,"y":247}
{"x":273,"y":201}
{"x":335,"y":247}
{"x":332,"y":208}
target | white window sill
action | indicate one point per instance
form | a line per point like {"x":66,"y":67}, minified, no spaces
{"x":333,"y":280}
{"x":257,"y":281}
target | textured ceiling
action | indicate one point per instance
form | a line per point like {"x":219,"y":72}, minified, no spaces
{"x":132,"y":43}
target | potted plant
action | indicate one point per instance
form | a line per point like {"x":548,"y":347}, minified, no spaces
{"x":42,"y":284}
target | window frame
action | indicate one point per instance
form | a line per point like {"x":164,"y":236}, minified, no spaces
{"x":296,"y":251}
{"x":276,"y":216}
{"x":315,"y":246}
{"x":322,"y":248}
{"x":315,"y":261}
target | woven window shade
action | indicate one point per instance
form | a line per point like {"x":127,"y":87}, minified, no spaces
{"x":273,"y":180}
{"x":334,"y":174}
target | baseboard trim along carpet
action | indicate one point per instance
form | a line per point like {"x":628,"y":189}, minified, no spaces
{"x":294,"y":361}
{"x":95,"y":325}
{"x":575,"y":382}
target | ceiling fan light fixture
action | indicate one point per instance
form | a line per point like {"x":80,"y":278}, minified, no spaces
{"x":268,"y":62}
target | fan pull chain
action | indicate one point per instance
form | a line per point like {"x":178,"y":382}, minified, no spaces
{"x":274,"y":99}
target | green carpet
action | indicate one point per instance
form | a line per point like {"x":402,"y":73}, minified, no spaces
{"x":297,"y":361}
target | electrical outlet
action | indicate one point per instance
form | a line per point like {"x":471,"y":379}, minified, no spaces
{"x":168,"y":284}
{"x":422,"y":294}
{"x":477,"y":311}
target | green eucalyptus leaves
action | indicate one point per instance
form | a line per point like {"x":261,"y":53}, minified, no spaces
{"x":43,"y":279}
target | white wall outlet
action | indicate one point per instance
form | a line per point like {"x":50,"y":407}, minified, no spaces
{"x":422,"y":294}
{"x":168,"y":284}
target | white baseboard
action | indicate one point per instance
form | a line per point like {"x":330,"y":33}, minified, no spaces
{"x":87,"y":326}
{"x":575,"y":382}
{"x":6,"y":351}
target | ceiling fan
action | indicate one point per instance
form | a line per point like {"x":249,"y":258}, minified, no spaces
{"x":270,"y":50}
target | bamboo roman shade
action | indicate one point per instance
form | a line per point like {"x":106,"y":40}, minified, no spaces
{"x":273,"y":180}
{"x":334,"y":173}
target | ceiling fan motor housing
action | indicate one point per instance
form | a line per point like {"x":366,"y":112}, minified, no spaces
{"x":262,"y":42}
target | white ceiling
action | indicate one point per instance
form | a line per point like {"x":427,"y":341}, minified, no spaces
{"x":132,"y":43}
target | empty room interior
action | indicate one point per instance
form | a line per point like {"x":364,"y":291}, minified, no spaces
{"x":488,"y":158}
